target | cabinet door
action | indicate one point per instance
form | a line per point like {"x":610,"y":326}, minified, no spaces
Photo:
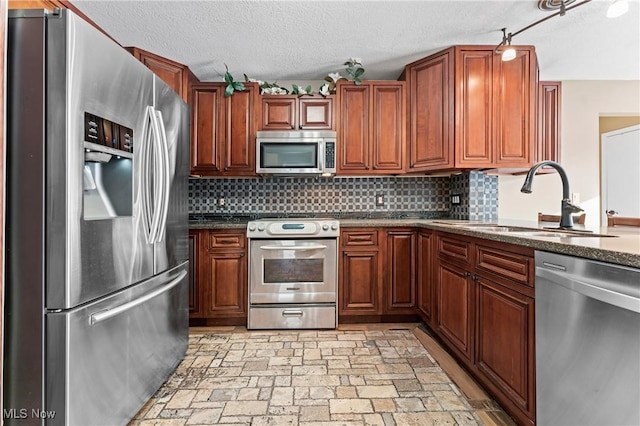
{"x":176,"y":75}
{"x":240,"y":132}
{"x":226,"y":284}
{"x":505,"y":342}
{"x":548,"y":137}
{"x":194,"y":283}
{"x":353,"y":133}
{"x":359,"y":289}
{"x":514,"y":110}
{"x":431,"y":113}
{"x":316,"y":113}
{"x":278,"y":112}
{"x":400,"y":280}
{"x":388,"y":127}
{"x":207,"y":118}
{"x":473,"y":110}
{"x":455,"y":308}
{"x":424,"y":276}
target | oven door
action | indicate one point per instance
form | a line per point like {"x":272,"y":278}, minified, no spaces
{"x":293,"y":271}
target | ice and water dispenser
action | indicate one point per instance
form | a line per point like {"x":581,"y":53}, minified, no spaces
{"x":108,"y":169}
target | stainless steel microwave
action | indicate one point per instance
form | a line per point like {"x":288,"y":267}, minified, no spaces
{"x":311,"y":153}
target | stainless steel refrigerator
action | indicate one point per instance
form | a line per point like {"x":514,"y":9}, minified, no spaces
{"x":96,"y":311}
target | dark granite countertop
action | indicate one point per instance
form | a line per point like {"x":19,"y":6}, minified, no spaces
{"x":622,"y":248}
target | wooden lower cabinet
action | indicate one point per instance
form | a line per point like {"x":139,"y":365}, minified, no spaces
{"x":194,"y":281}
{"x":425,"y":287}
{"x":505,"y":354}
{"x":359,"y":273}
{"x":359,"y":284}
{"x":400,"y":276}
{"x":485,"y":314}
{"x":220,"y":278}
{"x":455,"y":300}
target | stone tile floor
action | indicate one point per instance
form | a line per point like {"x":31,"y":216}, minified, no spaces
{"x":361,"y":376}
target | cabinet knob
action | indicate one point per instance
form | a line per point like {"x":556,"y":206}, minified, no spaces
{"x":467,"y":274}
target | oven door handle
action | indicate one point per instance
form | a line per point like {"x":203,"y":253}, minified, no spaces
{"x":313,"y":247}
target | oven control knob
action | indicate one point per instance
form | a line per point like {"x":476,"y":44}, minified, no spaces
{"x":325,"y":227}
{"x":334,"y":227}
{"x":252,"y":227}
{"x":261,"y":227}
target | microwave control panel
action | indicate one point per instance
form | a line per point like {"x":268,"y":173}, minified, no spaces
{"x":330,"y":155}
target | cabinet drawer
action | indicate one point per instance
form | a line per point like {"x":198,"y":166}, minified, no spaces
{"x":360,"y":238}
{"x":455,"y":249}
{"x":514,"y":266}
{"x":218,"y":240}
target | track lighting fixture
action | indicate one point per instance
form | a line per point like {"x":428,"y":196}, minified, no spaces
{"x":617,"y":8}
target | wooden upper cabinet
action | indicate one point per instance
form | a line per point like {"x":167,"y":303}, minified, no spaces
{"x":290,"y":112}
{"x":240,"y":132}
{"x":371,"y":127}
{"x":468,"y":109}
{"x":207,"y":128}
{"x":177,"y":76}
{"x":35,"y":4}
{"x":316,"y":113}
{"x":514,"y":113}
{"x":431,"y":130}
{"x":223,"y":130}
{"x":548,"y":135}
{"x":473,"y":118}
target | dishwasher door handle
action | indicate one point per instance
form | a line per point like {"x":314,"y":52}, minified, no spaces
{"x":578,"y":285}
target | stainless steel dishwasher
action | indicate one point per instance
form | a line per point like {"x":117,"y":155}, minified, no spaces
{"x":587,"y":342}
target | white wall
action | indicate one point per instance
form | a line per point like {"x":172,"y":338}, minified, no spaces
{"x":582,"y":104}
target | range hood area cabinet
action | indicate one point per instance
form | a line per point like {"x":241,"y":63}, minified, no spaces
{"x":371,"y":127}
{"x":468,"y":109}
{"x":223,"y":130}
{"x":292,"y":112}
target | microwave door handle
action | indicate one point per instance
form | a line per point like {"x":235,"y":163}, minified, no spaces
{"x":145,"y":184}
{"x":165,"y":171}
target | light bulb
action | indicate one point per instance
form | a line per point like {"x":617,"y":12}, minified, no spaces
{"x":617,"y":8}
{"x":508,"y":54}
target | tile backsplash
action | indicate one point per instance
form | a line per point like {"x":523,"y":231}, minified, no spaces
{"x":478,"y":196}
{"x":277,"y":196}
{"x":280,"y":195}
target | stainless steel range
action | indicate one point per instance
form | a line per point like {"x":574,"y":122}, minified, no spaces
{"x":293,"y":273}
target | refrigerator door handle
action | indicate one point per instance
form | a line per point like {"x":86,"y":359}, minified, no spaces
{"x":110,"y":313}
{"x":158,"y":177}
{"x":145,"y":173}
{"x":165,"y":170}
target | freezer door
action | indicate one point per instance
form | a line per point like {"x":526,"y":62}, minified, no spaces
{"x":171,"y":244}
{"x":109,"y":357}
{"x":89,"y":73}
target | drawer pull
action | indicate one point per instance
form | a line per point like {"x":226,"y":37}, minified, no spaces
{"x":293,"y":288}
{"x":287,"y":314}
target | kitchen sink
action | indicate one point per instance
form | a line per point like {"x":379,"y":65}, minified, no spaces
{"x":535,"y":232}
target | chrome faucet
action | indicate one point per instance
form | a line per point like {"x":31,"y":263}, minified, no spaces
{"x":566,"y":221}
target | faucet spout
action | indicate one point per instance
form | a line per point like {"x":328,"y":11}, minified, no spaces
{"x":566,"y":221}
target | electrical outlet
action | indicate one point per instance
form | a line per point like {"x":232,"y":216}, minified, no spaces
{"x":575,"y":198}
{"x":455,"y":199}
{"x":380,"y":200}
{"x":221,"y":201}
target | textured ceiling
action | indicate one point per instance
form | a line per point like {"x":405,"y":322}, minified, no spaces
{"x":305,"y":40}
